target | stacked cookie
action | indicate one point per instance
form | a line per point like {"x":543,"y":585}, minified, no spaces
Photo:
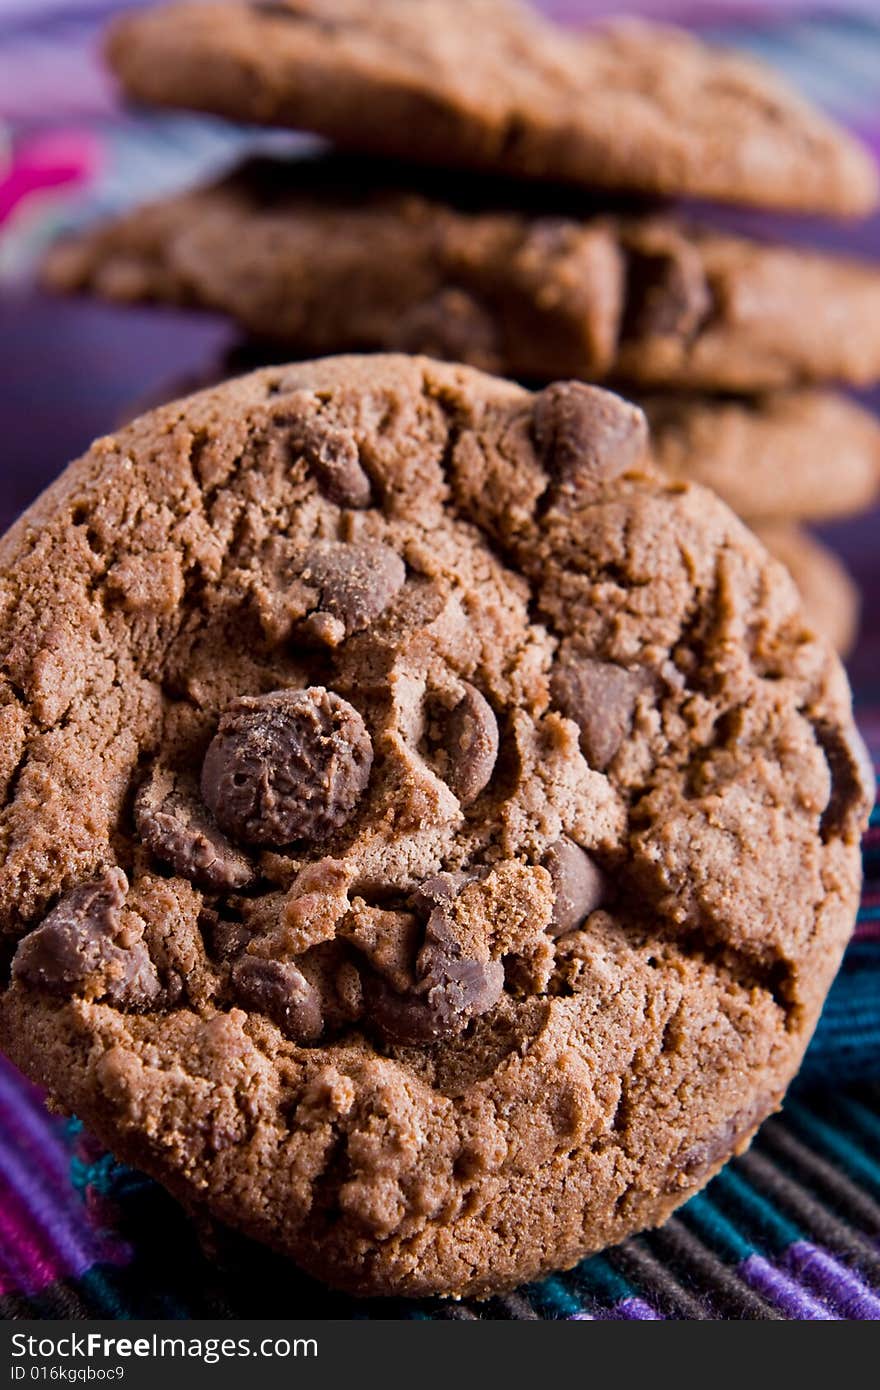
{"x":490,"y":265}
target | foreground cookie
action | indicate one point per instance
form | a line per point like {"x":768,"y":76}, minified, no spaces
{"x":429,"y":835}
{"x":829,"y":595}
{"x":488,"y":84}
{"x":807,"y":455}
{"x":318,"y":256}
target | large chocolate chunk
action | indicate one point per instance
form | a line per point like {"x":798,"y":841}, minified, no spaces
{"x":291,"y":765}
{"x":279,"y":990}
{"x":578,"y":884}
{"x":452,"y":987}
{"x":332,"y":456}
{"x":667,"y":292}
{"x":462,"y":991}
{"x":600,"y":697}
{"x":471,"y":741}
{"x":457,"y":987}
{"x":585,"y":436}
{"x":79,"y":948}
{"x":355,"y":580}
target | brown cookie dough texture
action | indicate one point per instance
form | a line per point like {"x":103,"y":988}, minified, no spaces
{"x":829,"y":594}
{"x":323,"y":255}
{"x":792,"y":455}
{"x":428,"y":832}
{"x":490,"y":85}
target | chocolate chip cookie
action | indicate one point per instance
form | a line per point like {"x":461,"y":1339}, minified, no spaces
{"x":489,"y":84}
{"x":807,"y":455}
{"x":331,"y":255}
{"x":429,"y":833}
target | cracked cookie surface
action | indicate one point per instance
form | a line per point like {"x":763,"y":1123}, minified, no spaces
{"x":428,"y":833}
{"x":491,"y":85}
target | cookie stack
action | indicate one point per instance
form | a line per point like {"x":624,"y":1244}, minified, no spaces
{"x":512,"y":239}
{"x":430,"y":830}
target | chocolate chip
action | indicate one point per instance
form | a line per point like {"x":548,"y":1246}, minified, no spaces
{"x":75,"y":949}
{"x":578,"y":884}
{"x":443,"y":888}
{"x":332,"y":456}
{"x":462,"y":991}
{"x":279,"y":990}
{"x":667,"y":293}
{"x":400,"y":1018}
{"x":585,"y":435}
{"x":457,"y":987}
{"x":176,"y":826}
{"x":471,"y":737}
{"x":459,"y":990}
{"x":853,"y":783}
{"x":452,"y":987}
{"x":355,"y":581}
{"x":600,"y":697}
{"x":287,"y":766}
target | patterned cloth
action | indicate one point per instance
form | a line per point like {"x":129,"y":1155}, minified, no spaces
{"x":791,"y":1229}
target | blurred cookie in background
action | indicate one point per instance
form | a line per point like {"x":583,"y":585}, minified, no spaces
{"x":325,"y":255}
{"x":799,"y":455}
{"x":492,"y":85}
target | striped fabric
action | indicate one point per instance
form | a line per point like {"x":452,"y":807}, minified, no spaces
{"x":789,"y":1231}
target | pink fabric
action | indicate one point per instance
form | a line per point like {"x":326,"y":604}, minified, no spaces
{"x":47,"y":162}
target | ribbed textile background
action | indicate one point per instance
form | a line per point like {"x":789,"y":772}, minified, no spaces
{"x":792,"y":1229}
